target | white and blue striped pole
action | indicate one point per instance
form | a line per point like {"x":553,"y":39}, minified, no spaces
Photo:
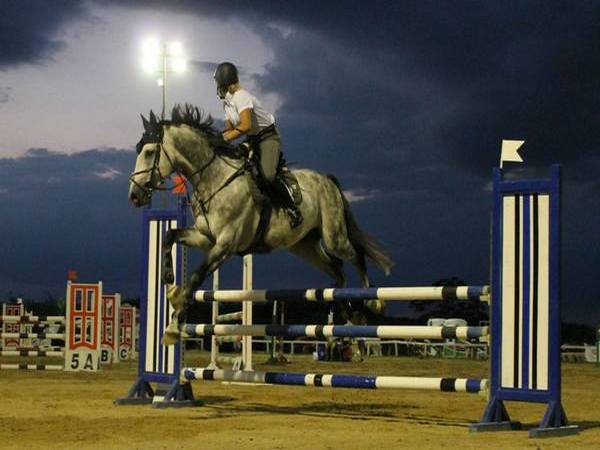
{"x":233,"y":332}
{"x":470,"y":385}
{"x":424,"y":293}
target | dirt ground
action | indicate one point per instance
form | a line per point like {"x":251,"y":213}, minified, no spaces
{"x":75,"y":410}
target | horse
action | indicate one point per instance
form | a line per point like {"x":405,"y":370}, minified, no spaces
{"x":226,"y":213}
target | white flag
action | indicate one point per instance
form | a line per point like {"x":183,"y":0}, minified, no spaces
{"x":510,"y":151}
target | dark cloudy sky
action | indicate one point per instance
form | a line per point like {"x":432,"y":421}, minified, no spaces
{"x":406,"y":102}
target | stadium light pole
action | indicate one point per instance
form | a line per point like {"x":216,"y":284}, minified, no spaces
{"x":160,"y":60}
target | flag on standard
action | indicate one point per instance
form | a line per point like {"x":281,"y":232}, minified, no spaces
{"x":510,"y":151}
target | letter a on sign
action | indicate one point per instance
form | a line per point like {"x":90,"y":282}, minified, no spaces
{"x":510,"y":151}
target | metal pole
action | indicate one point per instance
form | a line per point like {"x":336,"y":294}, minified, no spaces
{"x":274,"y":322}
{"x":247,"y":313}
{"x":183,"y":204}
{"x":598,"y":347}
{"x":214,"y":349}
{"x":164,"y":82}
{"x":280,"y":356}
{"x":164,"y":197}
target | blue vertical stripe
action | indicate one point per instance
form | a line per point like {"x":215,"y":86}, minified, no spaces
{"x":554,"y":375}
{"x":496,"y":347}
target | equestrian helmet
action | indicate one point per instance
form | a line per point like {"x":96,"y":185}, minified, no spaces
{"x":226,"y":75}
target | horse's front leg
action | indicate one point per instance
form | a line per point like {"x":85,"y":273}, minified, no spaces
{"x":190,"y":237}
{"x":181,"y":298}
{"x":170,"y":238}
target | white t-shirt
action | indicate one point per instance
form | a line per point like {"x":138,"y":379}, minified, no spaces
{"x":240,"y":100}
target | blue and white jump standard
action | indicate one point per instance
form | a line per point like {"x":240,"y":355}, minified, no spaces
{"x":157,"y":363}
{"x":525,"y":314}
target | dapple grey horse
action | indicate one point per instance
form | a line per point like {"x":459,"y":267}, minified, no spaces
{"x":227,"y":217}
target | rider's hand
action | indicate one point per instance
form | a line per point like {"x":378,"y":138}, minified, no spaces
{"x":217,"y":141}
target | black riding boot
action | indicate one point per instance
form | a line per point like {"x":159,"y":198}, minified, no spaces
{"x":287,"y":200}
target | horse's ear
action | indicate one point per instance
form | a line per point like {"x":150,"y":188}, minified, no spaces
{"x":152,"y":118}
{"x":145,"y":122}
{"x":175,"y":115}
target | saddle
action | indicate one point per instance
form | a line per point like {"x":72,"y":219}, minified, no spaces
{"x":284,"y":193}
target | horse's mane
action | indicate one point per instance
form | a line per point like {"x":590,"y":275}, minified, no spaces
{"x":192,"y":116}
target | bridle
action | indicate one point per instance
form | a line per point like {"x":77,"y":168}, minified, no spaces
{"x":156,"y":137}
{"x":150,"y":137}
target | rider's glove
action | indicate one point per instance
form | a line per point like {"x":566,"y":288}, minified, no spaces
{"x":218,"y":141}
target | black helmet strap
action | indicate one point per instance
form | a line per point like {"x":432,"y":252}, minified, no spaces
{"x":221,"y":91}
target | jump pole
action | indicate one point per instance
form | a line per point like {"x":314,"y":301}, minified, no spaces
{"x":326,"y":331}
{"x":421,"y":293}
{"x":470,"y":385}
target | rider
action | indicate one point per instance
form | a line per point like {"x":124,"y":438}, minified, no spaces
{"x":245,"y":116}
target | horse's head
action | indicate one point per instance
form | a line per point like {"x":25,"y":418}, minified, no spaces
{"x":152,"y":166}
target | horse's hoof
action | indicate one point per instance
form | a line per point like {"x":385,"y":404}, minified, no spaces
{"x":170,"y":338}
{"x":168,"y":277}
{"x":172,"y":335}
{"x":376,"y":306}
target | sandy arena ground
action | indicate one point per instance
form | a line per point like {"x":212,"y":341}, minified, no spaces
{"x":66,"y":410}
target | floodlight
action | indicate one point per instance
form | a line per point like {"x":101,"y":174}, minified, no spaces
{"x":178,"y":65}
{"x":150,"y":64}
{"x":151,"y":46}
{"x":175,"y":48}
{"x":159,"y":59}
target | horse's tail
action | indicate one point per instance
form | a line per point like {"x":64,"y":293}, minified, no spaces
{"x":364,"y":244}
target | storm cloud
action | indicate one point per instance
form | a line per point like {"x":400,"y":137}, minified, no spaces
{"x":406,"y":102}
{"x":28,"y":29}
